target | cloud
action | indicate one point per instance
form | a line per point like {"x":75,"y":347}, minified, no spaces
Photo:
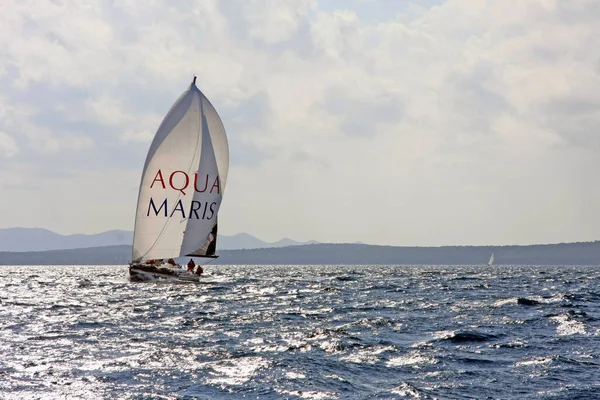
{"x":434,"y":122}
{"x":7,"y":145}
{"x":275,"y":24}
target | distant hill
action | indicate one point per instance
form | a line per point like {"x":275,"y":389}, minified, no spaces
{"x":105,"y":255}
{"x":37,"y":239}
{"x":583,"y":253}
{"x":587,"y":253}
{"x":246,"y":241}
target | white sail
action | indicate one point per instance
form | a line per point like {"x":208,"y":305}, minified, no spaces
{"x":182,"y":183}
{"x":491,"y":259}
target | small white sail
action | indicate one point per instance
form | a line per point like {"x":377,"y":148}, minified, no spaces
{"x":491,"y":262}
{"x":182,"y":183}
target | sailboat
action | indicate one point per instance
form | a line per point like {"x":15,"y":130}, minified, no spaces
{"x":180,"y":192}
{"x":491,"y":262}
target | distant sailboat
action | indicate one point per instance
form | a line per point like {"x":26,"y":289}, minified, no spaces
{"x":491,"y":262}
{"x":181,"y":189}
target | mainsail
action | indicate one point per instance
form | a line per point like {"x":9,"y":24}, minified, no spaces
{"x":183,"y":181}
{"x":491,"y":259}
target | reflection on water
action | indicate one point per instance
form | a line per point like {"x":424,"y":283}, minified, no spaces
{"x":317,"y":332}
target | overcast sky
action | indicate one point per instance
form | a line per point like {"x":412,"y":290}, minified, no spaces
{"x":387,"y":122}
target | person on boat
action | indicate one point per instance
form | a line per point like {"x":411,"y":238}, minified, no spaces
{"x":199,"y":270}
{"x":191,"y":265}
{"x":172,"y":262}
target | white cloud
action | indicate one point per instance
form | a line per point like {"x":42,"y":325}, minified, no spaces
{"x":275,"y":23}
{"x":107,"y":110}
{"x":459,"y":122}
{"x":8,"y":146}
{"x":333,"y":33}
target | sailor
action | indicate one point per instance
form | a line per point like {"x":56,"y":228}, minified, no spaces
{"x":172,"y":262}
{"x":191,"y":265}
{"x":199,"y":270}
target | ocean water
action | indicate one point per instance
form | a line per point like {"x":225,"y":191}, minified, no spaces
{"x":302,"y":332}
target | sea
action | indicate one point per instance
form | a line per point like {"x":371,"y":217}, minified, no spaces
{"x":302,"y":332}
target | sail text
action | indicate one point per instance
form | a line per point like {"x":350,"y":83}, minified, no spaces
{"x":196,"y":209}
{"x":180,"y":181}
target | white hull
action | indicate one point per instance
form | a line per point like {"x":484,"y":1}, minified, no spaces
{"x":162,"y":274}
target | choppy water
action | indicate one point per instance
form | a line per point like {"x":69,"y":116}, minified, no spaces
{"x":316,"y":332}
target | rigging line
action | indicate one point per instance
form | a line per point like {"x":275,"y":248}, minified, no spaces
{"x":211,"y":260}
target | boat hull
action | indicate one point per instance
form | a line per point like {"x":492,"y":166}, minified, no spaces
{"x":149,"y":273}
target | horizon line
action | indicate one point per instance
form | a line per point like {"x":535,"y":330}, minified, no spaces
{"x":305,"y":243}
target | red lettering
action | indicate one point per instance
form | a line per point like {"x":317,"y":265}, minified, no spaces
{"x":196,"y":183}
{"x":217,"y":184}
{"x":187,"y":181}
{"x":158,"y":178}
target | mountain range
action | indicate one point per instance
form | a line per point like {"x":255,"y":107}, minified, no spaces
{"x":582,"y":253}
{"x":30,"y":246}
{"x":37,"y":239}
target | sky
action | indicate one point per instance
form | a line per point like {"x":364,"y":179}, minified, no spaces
{"x":407,"y":123}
